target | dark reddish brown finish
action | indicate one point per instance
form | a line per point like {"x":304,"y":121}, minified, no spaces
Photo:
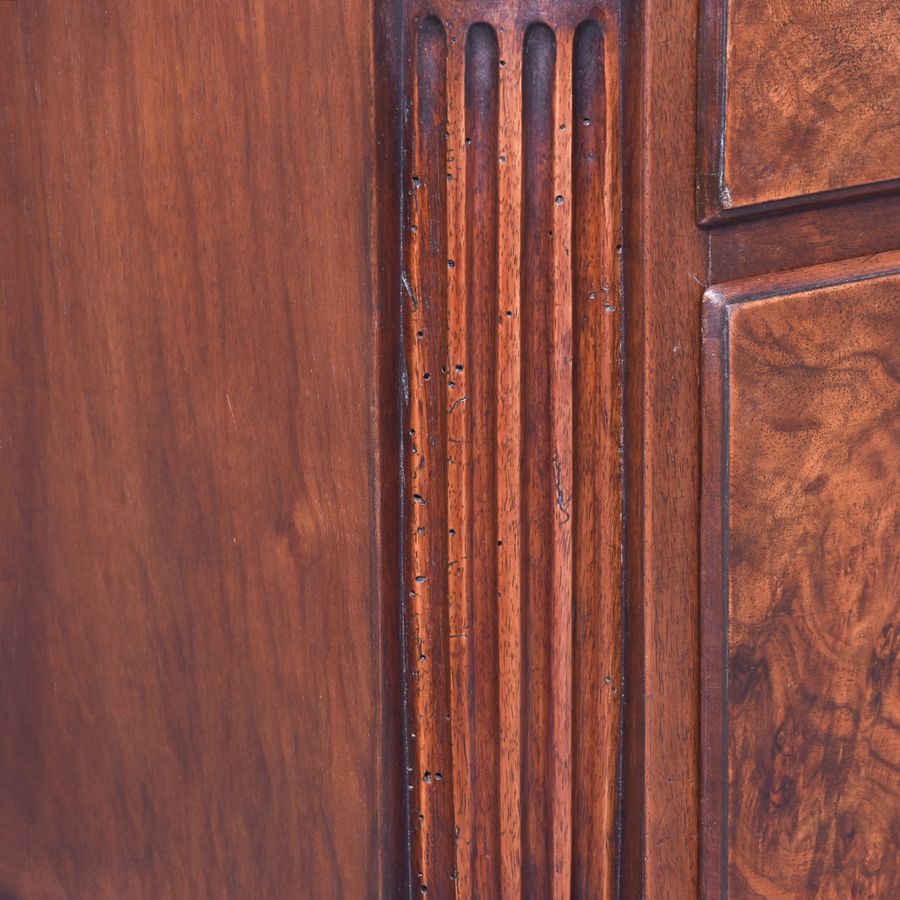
{"x":665,"y":258}
{"x":539,"y":465}
{"x":798,"y":98}
{"x":426,"y":464}
{"x":598,"y":473}
{"x":795,"y":802}
{"x":203,"y":433}
{"x":513,"y":522}
{"x":482,"y":77}
{"x":801,"y":526}
{"x":805,"y":237}
{"x":197,"y":692}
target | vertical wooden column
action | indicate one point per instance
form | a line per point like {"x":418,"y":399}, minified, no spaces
{"x":512,"y":464}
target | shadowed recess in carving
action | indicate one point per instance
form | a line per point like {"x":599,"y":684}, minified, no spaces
{"x":597,"y":511}
{"x":481,"y":201}
{"x":538,"y":470}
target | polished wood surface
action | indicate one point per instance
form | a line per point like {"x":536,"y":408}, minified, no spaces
{"x":801,"y":98}
{"x":801,"y":238}
{"x":351,"y":534}
{"x":513,"y":522}
{"x":797,"y":175}
{"x":197,"y":696}
{"x":801,"y":528}
{"x":665,"y":259}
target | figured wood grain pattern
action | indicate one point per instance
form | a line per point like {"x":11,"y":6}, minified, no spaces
{"x":802,"y":99}
{"x":513,"y":523}
{"x":194,"y":700}
{"x":801,"y":528}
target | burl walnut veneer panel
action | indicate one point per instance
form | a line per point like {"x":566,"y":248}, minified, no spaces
{"x":802,"y":97}
{"x":801,"y":584}
{"x":513,"y":479}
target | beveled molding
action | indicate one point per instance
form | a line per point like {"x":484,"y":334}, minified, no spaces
{"x":512,"y":457}
{"x":828,"y":134}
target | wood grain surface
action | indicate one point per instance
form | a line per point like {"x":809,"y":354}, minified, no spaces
{"x":802,"y":99}
{"x":801,"y":238}
{"x":513,"y":525}
{"x":323,"y":390}
{"x":665,"y":259}
{"x":801,"y":528}
{"x":194,"y":701}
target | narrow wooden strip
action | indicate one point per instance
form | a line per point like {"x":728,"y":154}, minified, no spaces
{"x":481,"y":229}
{"x":561,"y":437}
{"x":597,"y":674}
{"x":666,"y":257}
{"x":713,"y":638}
{"x":426,"y":501}
{"x":385,"y":61}
{"x":509,"y":477}
{"x":454,"y":376}
{"x":612,"y":473}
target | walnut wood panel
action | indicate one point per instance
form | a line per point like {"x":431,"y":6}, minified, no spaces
{"x":800,"y":98}
{"x":513,"y":512}
{"x":801,"y":524}
{"x":198,"y":696}
{"x":804,"y":237}
{"x":665,"y":259}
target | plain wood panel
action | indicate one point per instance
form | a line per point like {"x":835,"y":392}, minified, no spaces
{"x":665,"y":260}
{"x":801,"y":527}
{"x":190,"y":675}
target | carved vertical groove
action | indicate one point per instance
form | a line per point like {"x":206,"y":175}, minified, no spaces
{"x":513,"y":488}
{"x":538,"y":465}
{"x":472,"y":398}
{"x":598,"y":476}
{"x":481,"y":159}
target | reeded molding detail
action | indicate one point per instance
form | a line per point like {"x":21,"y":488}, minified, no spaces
{"x":512,"y":458}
